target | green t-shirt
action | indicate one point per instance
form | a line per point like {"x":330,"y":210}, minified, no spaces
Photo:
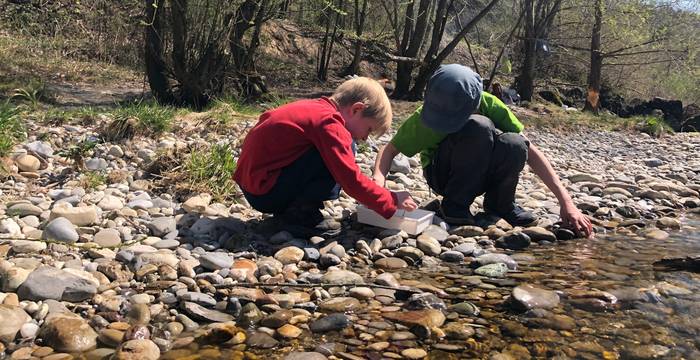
{"x":413,"y":137}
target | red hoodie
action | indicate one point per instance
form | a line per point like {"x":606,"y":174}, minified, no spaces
{"x":284,"y":134}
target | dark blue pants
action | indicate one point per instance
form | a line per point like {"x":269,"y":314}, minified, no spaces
{"x":305,"y":181}
{"x":478,"y":159}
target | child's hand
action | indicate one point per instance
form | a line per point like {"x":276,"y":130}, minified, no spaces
{"x":405,"y":201}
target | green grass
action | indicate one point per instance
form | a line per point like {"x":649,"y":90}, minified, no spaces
{"x":211,"y":171}
{"x":84,"y":115}
{"x":11,"y":128}
{"x":652,"y":125}
{"x":151,"y":117}
{"x":92,"y":179}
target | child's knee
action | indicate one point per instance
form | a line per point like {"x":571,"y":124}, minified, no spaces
{"x":516,"y":145}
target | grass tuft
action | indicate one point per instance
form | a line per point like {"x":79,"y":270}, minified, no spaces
{"x":152,"y":117}
{"x":211,"y":171}
{"x":11,"y":128}
{"x":91,"y":180}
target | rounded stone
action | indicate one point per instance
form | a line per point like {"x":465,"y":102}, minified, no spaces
{"x":108,"y":238}
{"x":60,"y":229}
{"x":289,"y":255}
{"x":28,"y":163}
{"x":530,"y":297}
{"x":138,"y":350}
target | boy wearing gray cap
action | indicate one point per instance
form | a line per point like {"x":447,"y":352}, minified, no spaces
{"x":470,"y":144}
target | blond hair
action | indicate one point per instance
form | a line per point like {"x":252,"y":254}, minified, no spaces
{"x":370,"y":93}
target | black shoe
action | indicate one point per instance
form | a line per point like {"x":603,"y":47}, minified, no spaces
{"x":516,"y":216}
{"x":430,"y":205}
{"x":455,"y":215}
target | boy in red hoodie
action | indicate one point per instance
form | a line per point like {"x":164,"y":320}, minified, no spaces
{"x":302,"y":153}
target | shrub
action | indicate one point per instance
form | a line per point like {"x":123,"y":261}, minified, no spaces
{"x":11,"y":127}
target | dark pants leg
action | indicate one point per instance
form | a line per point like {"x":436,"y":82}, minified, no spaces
{"x":477,"y":159}
{"x":305,"y":181}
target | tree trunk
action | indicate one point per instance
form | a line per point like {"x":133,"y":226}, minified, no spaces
{"x":489,"y":81}
{"x":156,"y":69}
{"x":594,"y":75}
{"x":359,"y":22}
{"x":525,"y":81}
{"x":431,"y":64}
{"x":329,"y":38}
{"x":411,"y":42}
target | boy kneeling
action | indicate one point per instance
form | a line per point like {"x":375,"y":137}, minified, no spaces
{"x":302,"y":153}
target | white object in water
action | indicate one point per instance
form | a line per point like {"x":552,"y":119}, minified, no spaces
{"x":412,"y":222}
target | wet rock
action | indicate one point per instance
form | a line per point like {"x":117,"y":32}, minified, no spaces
{"x":643,"y":352}
{"x":452,"y":256}
{"x":458,"y":331}
{"x":332,"y":322}
{"x":47,"y":282}
{"x":465,"y":308}
{"x":391,"y":263}
{"x":305,"y":356}
{"x":13,"y":317}
{"x":428,"y":245}
{"x":340,"y":304}
{"x":537,"y":233}
{"x":467,"y":231}
{"x":656,"y":234}
{"x":493,"y":258}
{"x":261,"y":340}
{"x":289,"y":331}
{"x":514,"y":241}
{"x":414,"y":354}
{"x":138,"y":350}
{"x":341,"y":277}
{"x":69,"y":333}
{"x":422,"y":301}
{"x":362,"y":293}
{"x":60,"y":229}
{"x":429,"y":318}
{"x":496,"y":270}
{"x":250,"y":315}
{"x":199,"y":312}
{"x":466,"y":248}
{"x":529,"y":297}
{"x":564,"y":234}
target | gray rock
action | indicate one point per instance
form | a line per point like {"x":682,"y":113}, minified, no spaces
{"x":202,"y":313}
{"x":48,"y":282}
{"x":261,"y":340}
{"x":465,"y":248}
{"x":436,"y":232}
{"x":215,"y":261}
{"x":342,"y":277}
{"x":24,"y":209}
{"x":529,"y":297}
{"x":493,"y":258}
{"x":452,"y":256}
{"x":60,"y":229}
{"x":496,"y":270}
{"x":40,"y":148}
{"x":514,"y":241}
{"x":162,"y":226}
{"x":199,"y":298}
{"x":332,"y":322}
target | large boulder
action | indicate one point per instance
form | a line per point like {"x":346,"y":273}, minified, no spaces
{"x":47,"y":282}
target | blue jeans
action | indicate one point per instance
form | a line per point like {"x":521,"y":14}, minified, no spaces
{"x":305,"y":181}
